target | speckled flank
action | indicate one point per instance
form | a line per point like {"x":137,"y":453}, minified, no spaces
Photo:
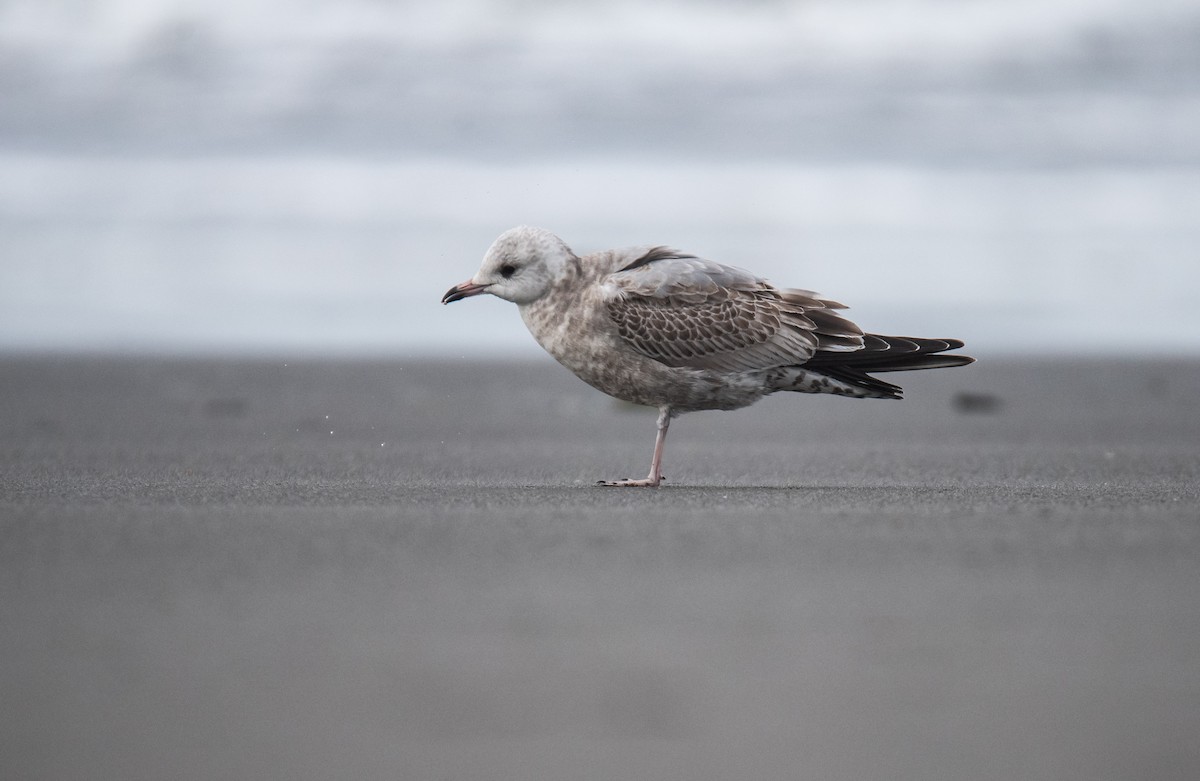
{"x":799,"y":380}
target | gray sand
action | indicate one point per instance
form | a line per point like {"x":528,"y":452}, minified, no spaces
{"x":317,"y":570}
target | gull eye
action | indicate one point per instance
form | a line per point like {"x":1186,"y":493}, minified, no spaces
{"x":507,"y":270}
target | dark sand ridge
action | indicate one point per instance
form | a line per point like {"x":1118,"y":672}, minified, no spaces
{"x":200,"y":580}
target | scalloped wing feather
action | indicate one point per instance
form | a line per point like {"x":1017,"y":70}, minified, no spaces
{"x":688,"y":312}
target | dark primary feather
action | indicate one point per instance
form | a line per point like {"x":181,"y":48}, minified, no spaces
{"x":657,"y":253}
{"x":894,"y":354}
{"x":886,"y":354}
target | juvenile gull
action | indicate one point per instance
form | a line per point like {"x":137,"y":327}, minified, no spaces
{"x":654,"y":326}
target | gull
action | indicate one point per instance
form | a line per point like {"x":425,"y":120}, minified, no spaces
{"x":662,"y":328}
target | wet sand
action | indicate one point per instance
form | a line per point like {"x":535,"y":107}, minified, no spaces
{"x":354,"y":569}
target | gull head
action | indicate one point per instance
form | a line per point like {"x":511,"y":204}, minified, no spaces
{"x":521,"y":266}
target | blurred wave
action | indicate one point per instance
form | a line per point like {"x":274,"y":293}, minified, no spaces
{"x":973,"y":82}
{"x":273,"y":175}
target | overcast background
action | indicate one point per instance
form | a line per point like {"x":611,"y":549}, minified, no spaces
{"x":260,"y":176}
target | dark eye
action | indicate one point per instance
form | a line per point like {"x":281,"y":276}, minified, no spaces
{"x":507,"y":270}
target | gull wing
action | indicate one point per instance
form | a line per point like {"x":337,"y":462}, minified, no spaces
{"x":685,"y":311}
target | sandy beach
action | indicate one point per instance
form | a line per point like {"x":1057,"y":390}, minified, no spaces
{"x":283,"y":569}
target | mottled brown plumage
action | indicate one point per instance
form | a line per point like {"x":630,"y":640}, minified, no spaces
{"x":666,"y":329}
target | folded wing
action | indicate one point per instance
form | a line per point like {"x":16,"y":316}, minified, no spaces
{"x":685,"y":311}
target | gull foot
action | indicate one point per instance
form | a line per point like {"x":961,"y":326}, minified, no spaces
{"x":645,"y":482}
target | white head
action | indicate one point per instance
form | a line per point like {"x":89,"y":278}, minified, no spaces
{"x":520,"y":266}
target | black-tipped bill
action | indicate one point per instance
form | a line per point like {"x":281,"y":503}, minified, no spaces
{"x":465,"y":290}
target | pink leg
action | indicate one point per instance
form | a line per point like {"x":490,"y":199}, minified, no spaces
{"x":655,"y":477}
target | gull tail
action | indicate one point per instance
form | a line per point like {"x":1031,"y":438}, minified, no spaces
{"x":849,"y":373}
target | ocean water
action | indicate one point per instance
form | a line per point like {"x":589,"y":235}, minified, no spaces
{"x":181,"y":177}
